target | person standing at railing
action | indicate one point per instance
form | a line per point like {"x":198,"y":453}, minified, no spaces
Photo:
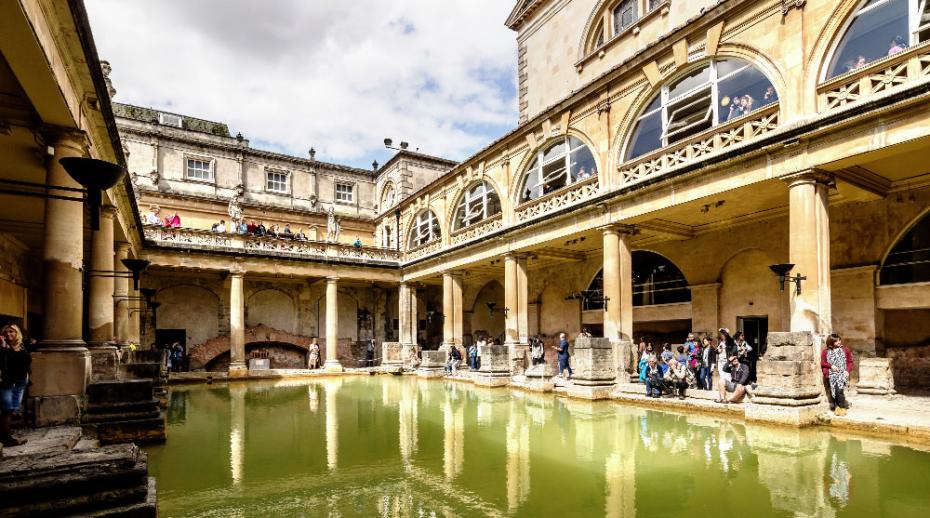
{"x":173,"y":221}
{"x":243,"y":228}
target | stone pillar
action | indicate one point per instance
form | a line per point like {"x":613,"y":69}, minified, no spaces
{"x":332,"y":325}
{"x":237,"y":364}
{"x":120,"y":292}
{"x":519,"y":352}
{"x":595,"y":373}
{"x":511,"y":326}
{"x":809,"y":250}
{"x":612,"y":323}
{"x":789,"y":385}
{"x":625,"y":263}
{"x":618,"y":289}
{"x":414,"y":318}
{"x":61,"y":368}
{"x":403,"y":314}
{"x":448,"y":311}
{"x":458,"y":318}
{"x":104,"y":361}
{"x":134,"y":321}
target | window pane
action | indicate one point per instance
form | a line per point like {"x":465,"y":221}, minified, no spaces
{"x":689,"y":116}
{"x":530,"y":189}
{"x":554,"y":176}
{"x":655,"y":104}
{"x":554,"y":151}
{"x":728,"y":66}
{"x":689,"y":82}
{"x":646,"y":137}
{"x":582,"y":165}
{"x":881,"y":31}
{"x":743,"y":93}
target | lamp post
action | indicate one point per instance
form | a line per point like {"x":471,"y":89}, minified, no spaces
{"x":95,"y":176}
{"x":782,"y":271}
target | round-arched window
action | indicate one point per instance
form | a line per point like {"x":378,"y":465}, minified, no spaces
{"x":712,"y":94}
{"x":880,"y":28}
{"x":478,"y":203}
{"x":425,"y":229}
{"x":389,"y":197}
{"x":656,"y":280}
{"x":557,"y":165}
{"x":909,"y":260}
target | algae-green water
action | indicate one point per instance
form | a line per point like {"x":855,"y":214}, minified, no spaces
{"x":399,"y":446}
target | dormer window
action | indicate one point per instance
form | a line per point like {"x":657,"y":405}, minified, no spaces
{"x":624,"y":15}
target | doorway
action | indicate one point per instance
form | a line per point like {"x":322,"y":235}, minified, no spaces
{"x":755,"y":329}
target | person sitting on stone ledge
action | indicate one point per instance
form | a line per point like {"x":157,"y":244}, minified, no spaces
{"x":667,"y":353}
{"x":738,"y":384}
{"x":287,"y":231}
{"x":455,"y":359}
{"x":260,"y":230}
{"x":151,"y":218}
{"x":300,"y":236}
{"x":679,"y":377}
{"x":15,"y":368}
{"x":836,"y":362}
{"x":652,"y":376}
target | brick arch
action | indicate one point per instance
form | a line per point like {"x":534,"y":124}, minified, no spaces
{"x":204,"y":353}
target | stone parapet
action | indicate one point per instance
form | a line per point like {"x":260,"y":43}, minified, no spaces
{"x":875,"y":376}
{"x":788,"y":391}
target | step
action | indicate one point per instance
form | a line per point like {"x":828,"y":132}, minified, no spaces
{"x":139,"y":431}
{"x":123,"y":391}
{"x":43,"y":440}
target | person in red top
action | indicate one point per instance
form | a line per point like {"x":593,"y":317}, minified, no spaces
{"x":836,"y":362}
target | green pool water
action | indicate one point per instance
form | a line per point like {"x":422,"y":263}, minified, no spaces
{"x":398,"y":446}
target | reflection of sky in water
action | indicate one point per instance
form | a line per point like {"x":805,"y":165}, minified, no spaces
{"x":398,"y":447}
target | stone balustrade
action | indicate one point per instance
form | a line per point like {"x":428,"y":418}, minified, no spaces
{"x":883,"y":75}
{"x":477,"y":230}
{"x":207,"y":240}
{"x":699,"y":147}
{"x":567,"y":196}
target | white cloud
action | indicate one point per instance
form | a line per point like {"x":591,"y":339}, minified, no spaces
{"x":337,"y":75}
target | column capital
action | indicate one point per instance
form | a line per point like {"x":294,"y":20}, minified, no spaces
{"x":332,"y":279}
{"x":122,"y":247}
{"x":808,"y":177}
{"x":108,"y":211}
{"x":67,"y":137}
{"x":238,"y":274}
{"x":619,"y":229}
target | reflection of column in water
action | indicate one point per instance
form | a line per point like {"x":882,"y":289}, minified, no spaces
{"x":407,"y":412}
{"x":518,"y":458}
{"x":620,"y":470}
{"x":331,"y":386}
{"x":313,"y":397}
{"x":236,"y":431}
{"x":483,"y":413}
{"x":454,"y":440}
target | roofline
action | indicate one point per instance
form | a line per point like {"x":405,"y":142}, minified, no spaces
{"x":400,"y":155}
{"x":519,"y":14}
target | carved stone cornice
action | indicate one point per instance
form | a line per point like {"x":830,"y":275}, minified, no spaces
{"x":787,"y":5}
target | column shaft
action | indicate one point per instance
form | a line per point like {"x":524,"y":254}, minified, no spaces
{"x":237,"y":363}
{"x":809,"y":251}
{"x":414,"y":317}
{"x":625,"y":257}
{"x":403,"y":314}
{"x":332,"y":325}
{"x":448,"y":310}
{"x":511,"y":326}
{"x":612,"y":284}
{"x":458,"y":318}
{"x":522,"y":309}
{"x":120,"y":292}
{"x":101,"y":281}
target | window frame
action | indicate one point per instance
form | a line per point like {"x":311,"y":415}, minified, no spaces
{"x":712,"y":83}
{"x":540,"y":163}
{"x":210,"y":170}
{"x":425,"y":223}
{"x":914,"y":8}
{"x":618,"y":27}
{"x":351,"y":192}
{"x":286,"y":181}
{"x":468,"y":197}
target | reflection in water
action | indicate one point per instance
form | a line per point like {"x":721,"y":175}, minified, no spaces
{"x":530,"y":455}
{"x":236,"y":431}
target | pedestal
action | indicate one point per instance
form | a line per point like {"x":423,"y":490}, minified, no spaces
{"x":623,"y":357}
{"x":519,"y":358}
{"x":495,"y":366}
{"x":392,"y":354}
{"x":537,"y":378}
{"x":60,"y":378}
{"x":104,"y":360}
{"x":789,"y":391}
{"x":594,"y":370}
{"x":432,"y":365}
{"x":875,"y":377}
{"x":332,"y":365}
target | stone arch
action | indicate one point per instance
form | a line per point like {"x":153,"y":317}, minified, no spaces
{"x":273,"y":308}
{"x":384,"y":190}
{"x":757,"y":59}
{"x":481,"y":319}
{"x":408,"y":228}
{"x":457,"y":198}
{"x":748,"y":288}
{"x":517,"y":180}
{"x":180,"y":301}
{"x":824,"y":45}
{"x":207,"y":353}
{"x":920,"y":219}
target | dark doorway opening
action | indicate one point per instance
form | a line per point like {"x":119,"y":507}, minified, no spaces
{"x":755,"y":330}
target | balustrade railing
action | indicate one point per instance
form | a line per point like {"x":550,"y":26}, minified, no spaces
{"x":477,"y":230}
{"x":883,"y":75}
{"x":564,"y":197}
{"x":269,"y":245}
{"x":718,"y":138}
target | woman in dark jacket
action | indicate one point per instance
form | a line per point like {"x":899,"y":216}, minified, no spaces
{"x":15,"y":367}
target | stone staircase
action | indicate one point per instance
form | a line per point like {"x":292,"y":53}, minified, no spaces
{"x":123,"y":411}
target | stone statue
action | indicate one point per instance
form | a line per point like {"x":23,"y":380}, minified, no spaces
{"x":235,"y":210}
{"x":332,"y":226}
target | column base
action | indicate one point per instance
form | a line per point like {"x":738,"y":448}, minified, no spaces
{"x":332,"y":366}
{"x":104,"y":360}
{"x":238,"y":370}
{"x":55,"y":410}
{"x":60,"y":371}
{"x":795,"y":416}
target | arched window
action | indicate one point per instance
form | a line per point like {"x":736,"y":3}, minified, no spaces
{"x":557,"y":165}
{"x":594,"y":296}
{"x":388,"y":198}
{"x":624,"y":15}
{"x":479,"y":203}
{"x":656,"y":280}
{"x":880,"y":28}
{"x":425,"y":229}
{"x":711,"y":94}
{"x":909,"y":260}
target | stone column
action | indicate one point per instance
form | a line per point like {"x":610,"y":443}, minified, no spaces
{"x":458,"y":318}
{"x":414,"y":318}
{"x":625,"y":257}
{"x":809,"y":250}
{"x":448,"y":311}
{"x":522,"y":298}
{"x":120,"y":292}
{"x":101,"y":285}
{"x":511,"y":326}
{"x":618,"y":289}
{"x":237,"y":363}
{"x":403,"y":314}
{"x":612,"y":283}
{"x":134,"y":323}
{"x":61,"y":368}
{"x":332,"y":325}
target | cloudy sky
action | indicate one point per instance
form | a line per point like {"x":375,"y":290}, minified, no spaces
{"x":338,"y":75}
